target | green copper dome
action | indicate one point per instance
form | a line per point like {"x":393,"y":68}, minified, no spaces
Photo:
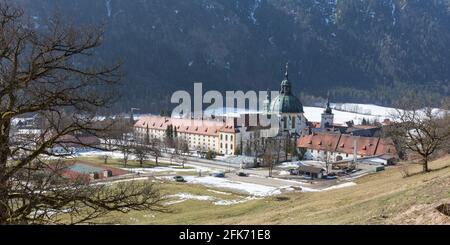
{"x":286,"y":102}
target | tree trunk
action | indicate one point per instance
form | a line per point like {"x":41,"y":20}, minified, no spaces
{"x":4,"y":153}
{"x":425,"y":165}
{"x":141,"y":162}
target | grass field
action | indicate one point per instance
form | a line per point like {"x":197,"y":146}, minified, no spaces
{"x":383,"y":198}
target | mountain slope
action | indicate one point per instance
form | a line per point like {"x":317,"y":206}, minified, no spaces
{"x":358,"y":50}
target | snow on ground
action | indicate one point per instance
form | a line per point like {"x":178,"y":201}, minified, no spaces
{"x":314,"y":114}
{"x":188,"y":196}
{"x":344,"y":112}
{"x":282,"y":173}
{"x":181,"y":197}
{"x":252,"y":189}
{"x":98,"y":153}
{"x":219,"y":192}
{"x":233,"y":202}
{"x":158,"y":170}
{"x":288,"y":165}
{"x":365,"y":109}
{"x":347,"y":184}
{"x":120,"y":181}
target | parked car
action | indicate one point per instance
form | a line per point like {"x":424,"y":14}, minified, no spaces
{"x":241,"y":174}
{"x":329,"y":177}
{"x":293,"y":171}
{"x":219,"y":175}
{"x":179,"y":178}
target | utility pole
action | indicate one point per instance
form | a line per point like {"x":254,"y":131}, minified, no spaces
{"x":355,"y":152}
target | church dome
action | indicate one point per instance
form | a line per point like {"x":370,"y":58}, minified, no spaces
{"x":286,"y":102}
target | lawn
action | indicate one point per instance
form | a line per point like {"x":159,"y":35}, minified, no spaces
{"x":189,"y":211}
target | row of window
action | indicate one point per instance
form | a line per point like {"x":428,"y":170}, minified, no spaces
{"x":226,"y":137}
{"x":192,"y":140}
{"x":285,"y":122}
{"x":331,"y":153}
{"x":226,"y":146}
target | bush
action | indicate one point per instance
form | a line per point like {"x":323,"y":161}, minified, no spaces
{"x":210,"y":155}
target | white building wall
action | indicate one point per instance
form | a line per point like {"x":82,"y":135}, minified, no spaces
{"x":319,"y":155}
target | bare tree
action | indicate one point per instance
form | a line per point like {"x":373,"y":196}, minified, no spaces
{"x":269,"y":154}
{"x":420,"y":129}
{"x":155,"y":149}
{"x":105,"y":159}
{"x":141,"y":152}
{"x":183,"y":161}
{"x":184,"y":146}
{"x":119,"y":136}
{"x":50,"y":73}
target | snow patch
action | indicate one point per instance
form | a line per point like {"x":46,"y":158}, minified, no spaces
{"x":234,"y":202}
{"x":108,"y":8}
{"x":394,"y":8}
{"x":157,"y":170}
{"x":256,"y":5}
{"x":348,"y":184}
{"x":188,"y":196}
{"x":219,"y":192}
{"x":252,"y":189}
{"x":120,"y":181}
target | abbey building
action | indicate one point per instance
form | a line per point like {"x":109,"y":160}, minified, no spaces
{"x":226,"y":135}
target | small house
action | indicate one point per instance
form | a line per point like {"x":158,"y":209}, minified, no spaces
{"x":310,"y":171}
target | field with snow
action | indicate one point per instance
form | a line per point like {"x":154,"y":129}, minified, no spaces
{"x":348,"y":112}
{"x":342,"y":112}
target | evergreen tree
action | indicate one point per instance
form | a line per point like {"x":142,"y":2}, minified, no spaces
{"x":147,"y":136}
{"x":364,"y":121}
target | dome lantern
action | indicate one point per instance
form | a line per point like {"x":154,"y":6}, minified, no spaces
{"x":286,"y":102}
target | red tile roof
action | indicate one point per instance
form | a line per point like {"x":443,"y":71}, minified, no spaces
{"x":201,"y":127}
{"x":327,"y":142}
{"x":74,"y":141}
{"x":344,"y":143}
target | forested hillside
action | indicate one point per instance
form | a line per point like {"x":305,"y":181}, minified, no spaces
{"x":359,"y":50}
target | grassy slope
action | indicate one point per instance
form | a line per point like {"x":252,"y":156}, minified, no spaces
{"x":384,"y":197}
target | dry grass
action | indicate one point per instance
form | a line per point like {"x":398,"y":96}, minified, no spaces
{"x":382,"y":198}
{"x":385,"y":197}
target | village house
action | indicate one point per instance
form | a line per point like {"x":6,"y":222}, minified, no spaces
{"x":338,"y":147}
{"x":73,"y":143}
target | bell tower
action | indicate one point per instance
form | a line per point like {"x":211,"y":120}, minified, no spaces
{"x":327,"y":116}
